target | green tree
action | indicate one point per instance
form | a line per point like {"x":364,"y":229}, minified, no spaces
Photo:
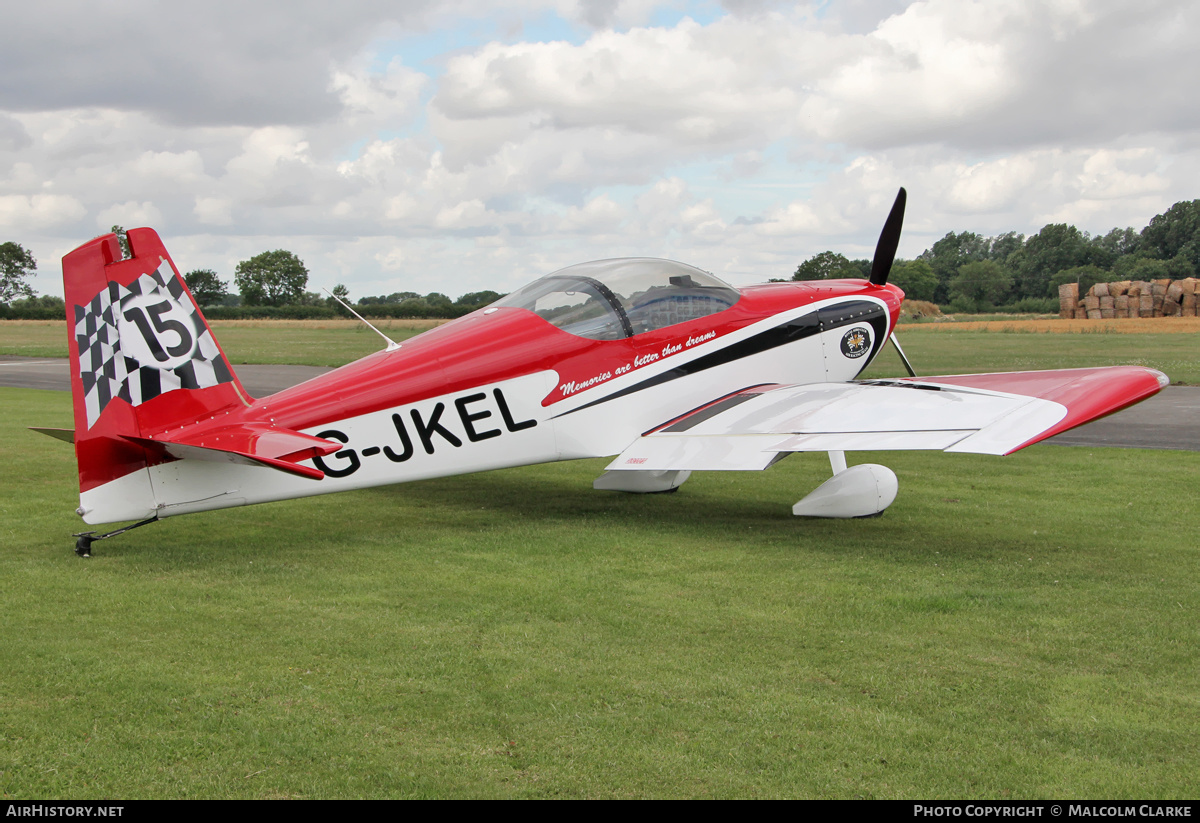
{"x":983,"y":283}
{"x":205,"y":286}
{"x":415,"y":307}
{"x":1056,"y":247}
{"x":273,"y":278}
{"x":341,"y":293}
{"x":826,"y":265}
{"x":16,"y":266}
{"x":1139,"y":267}
{"x":1181,"y":267}
{"x":1086,"y":276}
{"x":45,"y":307}
{"x":1002,"y":246}
{"x":476,"y":300}
{"x":1107,"y":249}
{"x":1175,"y":232}
{"x":950,"y":253}
{"x":916,"y":277}
{"x":122,"y":241}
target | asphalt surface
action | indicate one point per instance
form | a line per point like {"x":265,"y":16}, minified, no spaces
{"x":1169,"y":420}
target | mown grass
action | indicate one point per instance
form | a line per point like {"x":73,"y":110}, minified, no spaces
{"x":1016,"y":627}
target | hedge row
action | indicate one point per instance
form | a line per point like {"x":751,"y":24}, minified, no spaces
{"x":21,"y":311}
{"x":391,"y":311}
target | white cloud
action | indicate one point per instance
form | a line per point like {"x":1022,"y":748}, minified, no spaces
{"x":38,"y":212}
{"x":390,"y":95}
{"x":214,"y":211}
{"x":599,"y":215}
{"x":129,"y":215}
{"x":182,"y":169}
{"x":467,"y":214}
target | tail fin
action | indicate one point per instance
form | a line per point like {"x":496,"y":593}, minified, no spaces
{"x":143,"y":360}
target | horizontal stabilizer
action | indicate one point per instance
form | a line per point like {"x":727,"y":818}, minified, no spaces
{"x":256,"y":444}
{"x":65,"y":435}
{"x":979,"y":413}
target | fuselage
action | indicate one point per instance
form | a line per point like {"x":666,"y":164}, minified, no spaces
{"x":504,"y":387}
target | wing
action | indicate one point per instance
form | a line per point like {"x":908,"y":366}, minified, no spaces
{"x":979,"y":413}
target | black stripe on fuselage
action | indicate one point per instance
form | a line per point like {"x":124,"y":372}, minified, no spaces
{"x":695,"y":418}
{"x":798,"y":328}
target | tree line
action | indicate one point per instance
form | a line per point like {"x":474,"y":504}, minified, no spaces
{"x":967,"y":272}
{"x":269,"y":285}
{"x":277,"y":279}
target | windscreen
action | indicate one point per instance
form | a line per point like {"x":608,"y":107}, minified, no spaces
{"x":613,"y":299}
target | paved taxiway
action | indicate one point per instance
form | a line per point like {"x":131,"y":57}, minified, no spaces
{"x":1169,"y":420}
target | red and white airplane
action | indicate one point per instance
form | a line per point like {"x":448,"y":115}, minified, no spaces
{"x":656,"y":362}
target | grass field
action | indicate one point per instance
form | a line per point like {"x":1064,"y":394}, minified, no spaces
{"x":1011,"y":628}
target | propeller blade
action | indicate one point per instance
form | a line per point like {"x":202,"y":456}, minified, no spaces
{"x":903,"y":358}
{"x":889,"y":241}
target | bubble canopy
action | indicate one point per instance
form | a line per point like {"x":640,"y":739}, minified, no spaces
{"x":614,"y":299}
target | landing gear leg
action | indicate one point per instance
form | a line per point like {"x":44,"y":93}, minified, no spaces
{"x":84,"y":540}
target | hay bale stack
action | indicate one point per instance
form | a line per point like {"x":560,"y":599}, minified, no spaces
{"x":1068,"y":299}
{"x":1133,"y":298}
{"x":1188,"y":303}
{"x":1172,"y":300}
{"x":1158,"y":291}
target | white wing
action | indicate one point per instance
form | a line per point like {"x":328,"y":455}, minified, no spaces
{"x":980,"y":413}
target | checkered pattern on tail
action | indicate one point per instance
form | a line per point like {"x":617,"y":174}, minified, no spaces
{"x":189,"y":356}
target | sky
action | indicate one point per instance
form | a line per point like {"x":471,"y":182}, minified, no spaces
{"x":462,"y":145}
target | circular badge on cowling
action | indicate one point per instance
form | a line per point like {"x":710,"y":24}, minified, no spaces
{"x":856,"y":343}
